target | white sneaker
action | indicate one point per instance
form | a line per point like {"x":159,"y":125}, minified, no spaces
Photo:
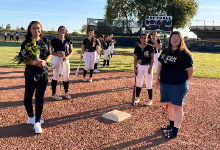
{"x":137,"y":100}
{"x":96,"y":71}
{"x":84,"y":79}
{"x":56,"y":97}
{"x":67,"y":95}
{"x":31,"y":120}
{"x":37,"y":127}
{"x":149,"y":102}
{"x":90,"y":79}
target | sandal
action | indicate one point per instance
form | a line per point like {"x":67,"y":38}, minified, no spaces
{"x":166,"y":128}
{"x":168,"y":134}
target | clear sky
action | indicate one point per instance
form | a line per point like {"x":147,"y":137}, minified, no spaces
{"x":74,"y":13}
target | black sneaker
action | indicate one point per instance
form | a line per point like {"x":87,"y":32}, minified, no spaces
{"x":166,"y":128}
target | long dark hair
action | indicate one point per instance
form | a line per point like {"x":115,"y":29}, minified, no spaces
{"x":29,"y":35}
{"x":181,"y":46}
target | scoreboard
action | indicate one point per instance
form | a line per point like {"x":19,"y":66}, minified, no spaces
{"x":158,"y":23}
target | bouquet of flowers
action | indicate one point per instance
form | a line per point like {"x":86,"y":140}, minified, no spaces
{"x":29,"y":53}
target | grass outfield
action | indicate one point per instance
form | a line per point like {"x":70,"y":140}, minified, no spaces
{"x":206,"y":64}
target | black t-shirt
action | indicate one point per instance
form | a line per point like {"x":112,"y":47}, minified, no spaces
{"x":158,"y":42}
{"x":43,"y":54}
{"x":88,"y":45}
{"x":173,"y":70}
{"x":60,"y":46}
{"x":144,"y":54}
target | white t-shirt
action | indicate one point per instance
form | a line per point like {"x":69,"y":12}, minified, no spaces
{"x":5,"y":34}
{"x":11,"y":33}
{"x":17,"y":34}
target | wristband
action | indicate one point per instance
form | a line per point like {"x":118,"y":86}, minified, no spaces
{"x":33,"y":63}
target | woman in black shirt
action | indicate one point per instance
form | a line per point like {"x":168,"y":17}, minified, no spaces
{"x":36,"y":76}
{"x":61,"y":50}
{"x":175,"y":68}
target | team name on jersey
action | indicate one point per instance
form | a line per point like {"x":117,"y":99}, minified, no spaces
{"x":169,"y":58}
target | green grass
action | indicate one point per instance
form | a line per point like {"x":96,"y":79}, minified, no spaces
{"x":206,"y":64}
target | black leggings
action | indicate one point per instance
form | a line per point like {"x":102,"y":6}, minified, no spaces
{"x":30,"y":86}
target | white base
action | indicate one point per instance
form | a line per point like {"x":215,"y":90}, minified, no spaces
{"x":116,"y":115}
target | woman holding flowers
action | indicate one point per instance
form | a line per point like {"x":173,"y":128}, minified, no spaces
{"x":62,"y":50}
{"x":35,"y":54}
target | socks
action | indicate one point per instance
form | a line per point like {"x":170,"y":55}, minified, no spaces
{"x":96,"y":66}
{"x":66,"y":86}
{"x":104,"y":62}
{"x":91,"y":73}
{"x":138,"y":91}
{"x":84,"y":73}
{"x":150,"y":93}
{"x":54,"y":85}
{"x":171,"y":124}
{"x":175,"y":131}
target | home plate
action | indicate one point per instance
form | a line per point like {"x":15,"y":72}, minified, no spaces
{"x":116,"y":115}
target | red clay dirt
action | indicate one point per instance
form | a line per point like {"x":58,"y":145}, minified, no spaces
{"x":77,"y":123}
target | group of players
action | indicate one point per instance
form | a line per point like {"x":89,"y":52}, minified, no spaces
{"x":174,"y":67}
{"x":12,"y":37}
{"x":92,"y":49}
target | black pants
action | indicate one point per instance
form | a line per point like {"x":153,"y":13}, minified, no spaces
{"x":5,"y":38}
{"x":11,"y":37}
{"x":30,"y":87}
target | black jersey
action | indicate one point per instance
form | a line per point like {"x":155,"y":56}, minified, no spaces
{"x":106,"y":44}
{"x":43,"y":54}
{"x":150,"y":42}
{"x":90,"y":45}
{"x":144,"y":54}
{"x":138,"y":42}
{"x":173,"y":70}
{"x":158,"y":42}
{"x":60,"y":46}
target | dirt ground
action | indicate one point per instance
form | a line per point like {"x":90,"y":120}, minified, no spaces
{"x":77,"y":123}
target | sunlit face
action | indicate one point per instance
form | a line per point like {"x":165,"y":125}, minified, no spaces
{"x":154,"y":35}
{"x":36,"y":29}
{"x":143,"y":39}
{"x":91,"y":33}
{"x":62,"y":31}
{"x":175,"y":40}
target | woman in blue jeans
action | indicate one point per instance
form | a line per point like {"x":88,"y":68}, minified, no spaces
{"x":175,"y":68}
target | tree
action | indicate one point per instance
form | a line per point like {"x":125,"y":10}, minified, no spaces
{"x":181,"y":10}
{"x":22,"y":28}
{"x":17,"y":28}
{"x":75,"y":32}
{"x":1,"y":28}
{"x":120,"y":9}
{"x":84,"y":29}
{"x":8,"y":27}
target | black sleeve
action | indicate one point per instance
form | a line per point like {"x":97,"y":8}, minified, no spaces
{"x":162,"y":55}
{"x":151,"y":49}
{"x":188,"y":61}
{"x":158,"y":41}
{"x":84,"y":42}
{"x":52,"y":43}
{"x":135,"y":52}
{"x":23,"y":45}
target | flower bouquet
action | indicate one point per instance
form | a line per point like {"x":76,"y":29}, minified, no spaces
{"x":29,"y":53}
